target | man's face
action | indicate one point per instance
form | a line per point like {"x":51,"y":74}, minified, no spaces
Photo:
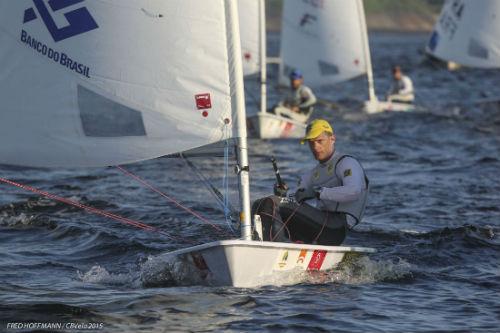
{"x":295,"y":83}
{"x":322,"y":147}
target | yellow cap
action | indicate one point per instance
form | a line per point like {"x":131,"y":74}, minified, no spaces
{"x":315,"y":128}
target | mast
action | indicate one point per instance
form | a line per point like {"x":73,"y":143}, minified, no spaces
{"x":263,"y":56}
{"x":366,"y":53}
{"x":234,"y":47}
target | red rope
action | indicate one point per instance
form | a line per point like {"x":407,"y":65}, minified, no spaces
{"x":96,"y":211}
{"x":178,"y":204}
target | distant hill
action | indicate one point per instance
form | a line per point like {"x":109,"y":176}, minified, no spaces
{"x":385,"y":15}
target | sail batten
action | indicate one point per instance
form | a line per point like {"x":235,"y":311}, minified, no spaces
{"x":149,"y":78}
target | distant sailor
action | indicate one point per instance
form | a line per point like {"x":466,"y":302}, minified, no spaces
{"x":402,"y":87}
{"x":299,"y":104}
{"x":330,"y":198}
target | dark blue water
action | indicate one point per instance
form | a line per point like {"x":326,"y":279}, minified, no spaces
{"x":433,"y":216}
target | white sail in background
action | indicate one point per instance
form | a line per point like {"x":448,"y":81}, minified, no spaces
{"x":249,"y":11}
{"x":97,"y":83}
{"x":468,"y":33}
{"x":324,"y":40}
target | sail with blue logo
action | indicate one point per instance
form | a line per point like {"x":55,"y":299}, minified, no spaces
{"x":98,"y":83}
{"x":325,"y":40}
{"x":468,"y":32}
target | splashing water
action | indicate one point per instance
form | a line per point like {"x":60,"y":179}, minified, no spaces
{"x":99,"y":275}
{"x":365,"y":270}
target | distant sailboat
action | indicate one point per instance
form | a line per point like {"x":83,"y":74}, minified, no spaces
{"x":324,"y":40}
{"x":467,"y":33}
{"x":328,"y":42}
{"x":127,"y":80}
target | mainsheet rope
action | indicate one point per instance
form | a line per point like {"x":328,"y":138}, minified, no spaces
{"x":275,"y":217}
{"x":285,"y":223}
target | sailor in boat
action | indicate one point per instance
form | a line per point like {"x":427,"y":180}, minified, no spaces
{"x":299,"y":104}
{"x":329,"y":200}
{"x":401,"y":90}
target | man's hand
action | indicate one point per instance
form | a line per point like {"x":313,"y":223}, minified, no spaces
{"x":295,"y":109}
{"x":303,"y":194}
{"x":280,"y":191}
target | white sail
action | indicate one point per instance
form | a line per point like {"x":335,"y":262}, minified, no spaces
{"x":249,"y":11}
{"x":324,"y":40}
{"x":468,"y":33}
{"x":96,"y":83}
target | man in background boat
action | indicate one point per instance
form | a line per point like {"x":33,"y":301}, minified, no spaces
{"x":299,"y":104}
{"x":401,"y":90}
{"x":330,"y":197}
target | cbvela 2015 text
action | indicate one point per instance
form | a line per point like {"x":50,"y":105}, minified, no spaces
{"x":54,"y":326}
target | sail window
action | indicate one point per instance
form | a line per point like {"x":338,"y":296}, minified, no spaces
{"x":477,"y":50}
{"x":326,"y":68}
{"x":102,"y":117}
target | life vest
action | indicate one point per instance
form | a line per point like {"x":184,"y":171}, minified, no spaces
{"x":325,"y":175}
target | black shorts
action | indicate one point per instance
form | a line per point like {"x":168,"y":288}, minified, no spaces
{"x":289,"y":221}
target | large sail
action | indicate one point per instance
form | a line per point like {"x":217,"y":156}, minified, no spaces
{"x":97,"y":83}
{"x":249,"y":12}
{"x":468,"y":33}
{"x":324,"y":40}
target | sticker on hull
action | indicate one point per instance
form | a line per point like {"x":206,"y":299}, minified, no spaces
{"x":316,"y":260}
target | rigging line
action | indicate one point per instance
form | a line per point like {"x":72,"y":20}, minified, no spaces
{"x":217,"y":194}
{"x":274,"y":218}
{"x":226,"y":207}
{"x":93,"y":210}
{"x":225,"y":182}
{"x":178,"y":204}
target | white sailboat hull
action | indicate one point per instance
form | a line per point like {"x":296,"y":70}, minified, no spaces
{"x":247,"y":264}
{"x":271,"y":126}
{"x":372,"y":107}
